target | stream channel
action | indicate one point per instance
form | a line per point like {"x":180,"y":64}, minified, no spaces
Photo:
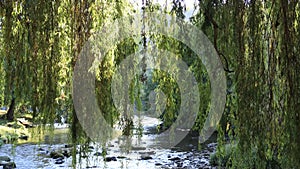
{"x":142,"y":155}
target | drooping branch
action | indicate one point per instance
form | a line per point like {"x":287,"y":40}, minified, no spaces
{"x":210,"y":20}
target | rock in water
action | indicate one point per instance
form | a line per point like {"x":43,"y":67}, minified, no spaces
{"x":108,"y":159}
{"x":59,"y":161}
{"x":68,"y":146}
{"x":138,"y":148}
{"x":9,"y":165}
{"x":146,"y":157}
{"x":56,"y":155}
{"x":4,"y":158}
{"x":98,"y":154}
{"x":174,"y":159}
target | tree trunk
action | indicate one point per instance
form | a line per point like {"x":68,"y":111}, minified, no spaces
{"x":10,"y":112}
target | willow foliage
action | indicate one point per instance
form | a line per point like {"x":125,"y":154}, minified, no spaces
{"x":257,"y":41}
{"x":260,"y":40}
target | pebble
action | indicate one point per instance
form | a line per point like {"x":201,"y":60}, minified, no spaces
{"x":59,"y":161}
{"x":138,"y":148}
{"x":108,"y":159}
{"x":98,"y":154}
{"x":67,"y":154}
{"x":146,"y":157}
{"x":68,"y":146}
{"x":174,"y":159}
{"x":23,"y":137}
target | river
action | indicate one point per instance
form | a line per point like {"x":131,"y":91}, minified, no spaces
{"x":187,"y":154}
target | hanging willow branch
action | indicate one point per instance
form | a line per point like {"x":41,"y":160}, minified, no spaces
{"x":143,"y":76}
{"x":2,"y":6}
{"x":209,"y":19}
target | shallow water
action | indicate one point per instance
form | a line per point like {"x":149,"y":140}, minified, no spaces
{"x":130,"y":153}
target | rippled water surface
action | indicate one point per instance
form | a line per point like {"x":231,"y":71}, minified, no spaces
{"x":29,"y":155}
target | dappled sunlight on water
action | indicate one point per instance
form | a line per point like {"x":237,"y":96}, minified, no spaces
{"x":127,"y":152}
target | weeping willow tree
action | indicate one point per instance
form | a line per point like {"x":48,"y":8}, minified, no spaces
{"x":30,"y":47}
{"x":2,"y":72}
{"x":89,"y":17}
{"x":266,"y":123}
{"x":288,"y":18}
{"x":259,"y":40}
{"x":40,"y":44}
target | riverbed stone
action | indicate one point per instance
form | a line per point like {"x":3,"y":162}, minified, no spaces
{"x":147,"y":152}
{"x":121,"y":157}
{"x":174,"y":159}
{"x":138,"y":148}
{"x":67,"y":153}
{"x":158,"y":164}
{"x":59,"y":161}
{"x":179,"y":164}
{"x":146,"y":157}
{"x":108,"y":159}
{"x":56,"y":155}
{"x":4,"y":158}
{"x":41,"y":149}
{"x":9,"y":165}
{"x":98,"y":154}
{"x":84,"y":156}
{"x":91,"y":166}
{"x":68,"y":146}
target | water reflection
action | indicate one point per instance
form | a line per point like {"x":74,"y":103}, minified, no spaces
{"x":130,"y":152}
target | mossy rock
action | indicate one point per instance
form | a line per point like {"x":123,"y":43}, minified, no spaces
{"x":10,"y":138}
{"x":56,"y":155}
{"x":15,"y":125}
{"x":26,"y":116}
{"x":10,"y":135}
{"x":223,"y":159}
{"x":213,"y":160}
{"x":4,"y":158}
{"x":9,"y":165}
{"x":3,"y":122}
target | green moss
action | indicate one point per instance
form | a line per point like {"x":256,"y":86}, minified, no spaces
{"x":2,"y":112}
{"x":27,"y":116}
{"x":10,"y":135}
{"x":1,"y":141}
{"x":223,"y":156}
{"x":213,"y":159}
